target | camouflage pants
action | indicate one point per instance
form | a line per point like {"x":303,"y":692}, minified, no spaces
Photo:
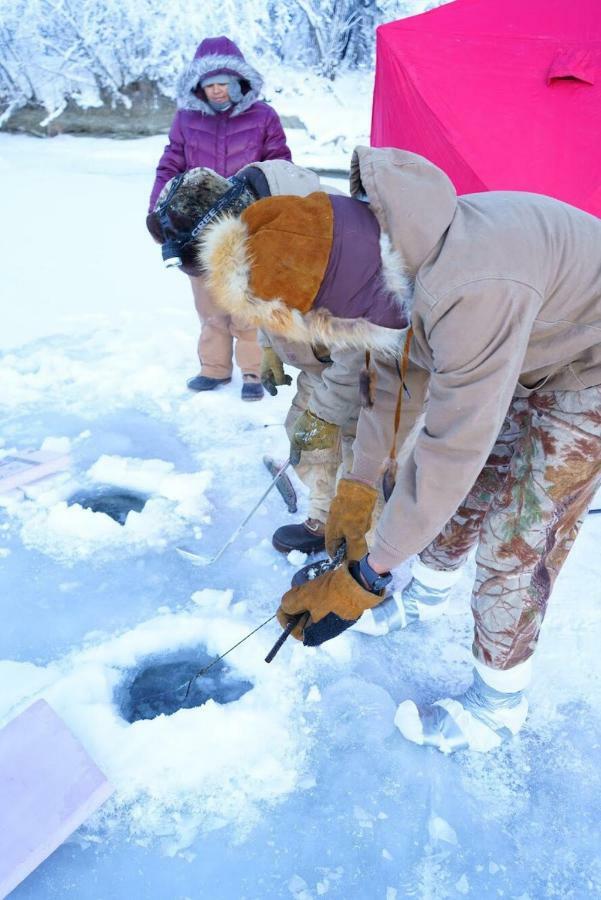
{"x":524,"y":513}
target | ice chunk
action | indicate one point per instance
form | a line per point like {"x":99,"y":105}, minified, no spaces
{"x":463,"y":885}
{"x":440,"y":830}
{"x":296,"y":558}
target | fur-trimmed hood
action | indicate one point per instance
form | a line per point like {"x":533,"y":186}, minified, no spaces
{"x":275,"y":267}
{"x":214,"y":56}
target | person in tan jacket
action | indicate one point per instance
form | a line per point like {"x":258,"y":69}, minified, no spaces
{"x":498,"y":297}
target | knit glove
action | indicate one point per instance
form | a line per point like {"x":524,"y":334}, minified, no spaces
{"x":311,"y":433}
{"x":272,"y":371}
{"x":334,"y":602}
{"x":350,"y":517}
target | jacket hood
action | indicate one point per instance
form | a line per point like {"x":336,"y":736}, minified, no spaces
{"x":413,"y":200}
{"x":213,"y":56}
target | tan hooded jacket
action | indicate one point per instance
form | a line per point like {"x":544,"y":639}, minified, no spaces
{"x":506,"y":301}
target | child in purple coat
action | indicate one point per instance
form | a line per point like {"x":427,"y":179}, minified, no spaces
{"x":221,"y":124}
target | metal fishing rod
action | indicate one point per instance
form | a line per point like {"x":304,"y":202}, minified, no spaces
{"x":198,"y":560}
{"x":294,"y":621}
{"x":308,"y":573}
{"x":205,"y":669}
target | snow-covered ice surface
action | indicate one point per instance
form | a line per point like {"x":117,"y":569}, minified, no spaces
{"x":302,"y":788}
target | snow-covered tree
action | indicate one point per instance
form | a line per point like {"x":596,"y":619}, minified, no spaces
{"x":92,"y":51}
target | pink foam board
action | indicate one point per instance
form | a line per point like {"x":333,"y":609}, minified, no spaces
{"x":30,"y":465}
{"x":49,"y":786}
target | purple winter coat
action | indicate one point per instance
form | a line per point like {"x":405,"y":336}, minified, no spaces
{"x":250,"y":131}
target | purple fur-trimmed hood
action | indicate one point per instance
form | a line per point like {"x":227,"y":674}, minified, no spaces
{"x":214,"y":56}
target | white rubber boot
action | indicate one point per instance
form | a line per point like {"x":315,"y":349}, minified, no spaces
{"x":490,"y":712}
{"x":424,"y":598}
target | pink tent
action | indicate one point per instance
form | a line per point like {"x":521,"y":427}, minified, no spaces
{"x":501,"y":94}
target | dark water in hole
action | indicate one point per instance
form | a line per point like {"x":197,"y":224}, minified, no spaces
{"x":159,"y":687}
{"x":115,"y":502}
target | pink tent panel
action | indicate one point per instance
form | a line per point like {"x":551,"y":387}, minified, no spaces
{"x":501,"y":94}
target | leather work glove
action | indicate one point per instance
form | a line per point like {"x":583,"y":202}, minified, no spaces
{"x":350,"y":517}
{"x":312,"y":433}
{"x":272,"y":371}
{"x":334,"y":602}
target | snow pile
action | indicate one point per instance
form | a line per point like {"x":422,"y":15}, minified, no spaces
{"x":177,"y":504}
{"x":63,"y":375}
{"x":194,"y":771}
{"x":155,"y":476}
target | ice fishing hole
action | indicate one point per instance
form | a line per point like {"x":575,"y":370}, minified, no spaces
{"x":158,"y":686}
{"x":115,"y":502}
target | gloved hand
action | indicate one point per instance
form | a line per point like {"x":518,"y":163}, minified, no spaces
{"x":350,"y":517}
{"x":272,"y":371}
{"x":334,"y":602}
{"x":311,"y":433}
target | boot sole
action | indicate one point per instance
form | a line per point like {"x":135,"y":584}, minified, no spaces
{"x":213,"y":388}
{"x":282,"y":548}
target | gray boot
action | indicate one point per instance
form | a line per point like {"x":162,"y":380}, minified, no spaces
{"x":491,"y":711}
{"x":425,"y":597}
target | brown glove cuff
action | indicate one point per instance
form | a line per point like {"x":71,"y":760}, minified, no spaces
{"x":360,"y":496}
{"x":350,"y":517}
{"x":271,"y":365}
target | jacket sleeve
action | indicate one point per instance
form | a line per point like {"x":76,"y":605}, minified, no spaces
{"x":336,"y":397}
{"x":477,"y":362}
{"x":375,"y":428}
{"x":172,"y":162}
{"x":274,"y":139}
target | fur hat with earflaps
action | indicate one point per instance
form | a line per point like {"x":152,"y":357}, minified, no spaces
{"x":183,"y":203}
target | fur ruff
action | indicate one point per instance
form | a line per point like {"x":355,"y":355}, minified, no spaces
{"x":201,"y":66}
{"x":394,"y":274}
{"x":223,"y":254}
